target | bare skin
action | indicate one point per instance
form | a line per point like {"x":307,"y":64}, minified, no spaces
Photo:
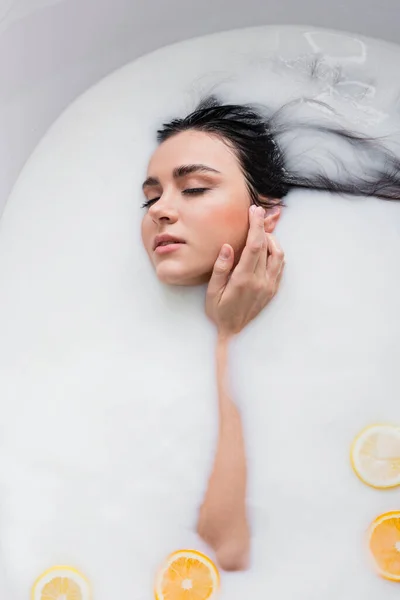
{"x":232,"y":302}
{"x":196,"y":193}
{"x":223,"y":520}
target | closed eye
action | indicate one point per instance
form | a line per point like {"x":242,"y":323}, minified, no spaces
{"x":195,"y":191}
{"x":149,"y":203}
{"x":188,"y":192}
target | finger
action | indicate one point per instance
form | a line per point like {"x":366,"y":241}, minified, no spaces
{"x":222,"y":268}
{"x":280,"y":275}
{"x":262,"y":262}
{"x":275,"y":259}
{"x":279,"y":279}
{"x":255,"y":241}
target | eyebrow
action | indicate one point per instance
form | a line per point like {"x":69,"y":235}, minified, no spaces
{"x":179,"y":172}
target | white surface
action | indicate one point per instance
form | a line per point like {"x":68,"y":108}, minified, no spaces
{"x":108,"y":408}
{"x":53,"y":50}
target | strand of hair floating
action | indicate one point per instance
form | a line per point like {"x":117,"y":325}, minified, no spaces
{"x":381,"y":181}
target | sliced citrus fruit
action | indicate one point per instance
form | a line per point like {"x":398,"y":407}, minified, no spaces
{"x":375,"y":456}
{"x":61,"y":583}
{"x":384,"y":543}
{"x":187,"y":575}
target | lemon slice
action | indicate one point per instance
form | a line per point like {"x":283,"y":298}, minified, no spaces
{"x":187,"y":575}
{"x":61,"y":583}
{"x":375,"y":456}
{"x":384,"y":543}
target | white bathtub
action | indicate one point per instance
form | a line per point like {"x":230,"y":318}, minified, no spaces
{"x":52,"y":50}
{"x":107,"y":399}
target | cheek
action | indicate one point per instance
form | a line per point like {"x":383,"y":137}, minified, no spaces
{"x":229,"y":225}
{"x":146,"y":232}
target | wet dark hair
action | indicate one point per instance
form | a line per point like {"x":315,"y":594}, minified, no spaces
{"x":254,"y":138}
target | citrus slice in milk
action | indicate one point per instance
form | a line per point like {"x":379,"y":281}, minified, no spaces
{"x":187,"y":575}
{"x":384,"y":543}
{"x":61,"y":583}
{"x":375,"y":456}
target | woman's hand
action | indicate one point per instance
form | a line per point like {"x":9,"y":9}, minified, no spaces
{"x":234,"y":298}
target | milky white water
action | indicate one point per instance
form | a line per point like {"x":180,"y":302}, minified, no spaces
{"x":107,"y":401}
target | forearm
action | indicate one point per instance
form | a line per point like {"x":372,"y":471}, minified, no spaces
{"x":227,"y":485}
{"x":223,"y":520}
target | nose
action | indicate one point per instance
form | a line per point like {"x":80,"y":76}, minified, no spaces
{"x":165,"y":209}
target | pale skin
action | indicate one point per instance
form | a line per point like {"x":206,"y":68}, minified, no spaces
{"x":196,"y":193}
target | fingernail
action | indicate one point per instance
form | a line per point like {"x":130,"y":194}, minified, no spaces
{"x":253,"y":208}
{"x":225,"y":252}
{"x":260,"y":212}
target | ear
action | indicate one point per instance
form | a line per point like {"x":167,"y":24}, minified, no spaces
{"x":272,"y":216}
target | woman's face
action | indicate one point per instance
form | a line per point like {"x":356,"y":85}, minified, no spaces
{"x":197,"y":200}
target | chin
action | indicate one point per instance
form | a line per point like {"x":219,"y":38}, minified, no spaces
{"x":173,"y":274}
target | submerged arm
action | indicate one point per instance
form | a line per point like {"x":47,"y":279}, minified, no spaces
{"x":235,"y":296}
{"x":223,"y":520}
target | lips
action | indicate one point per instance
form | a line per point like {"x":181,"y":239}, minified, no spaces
{"x":165,"y":240}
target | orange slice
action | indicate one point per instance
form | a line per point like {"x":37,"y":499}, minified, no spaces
{"x":61,"y":583}
{"x":375,"y":456}
{"x":384,"y":543}
{"x":187,"y":575}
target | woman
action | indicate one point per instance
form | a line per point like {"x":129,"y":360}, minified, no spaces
{"x":214,"y":195}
